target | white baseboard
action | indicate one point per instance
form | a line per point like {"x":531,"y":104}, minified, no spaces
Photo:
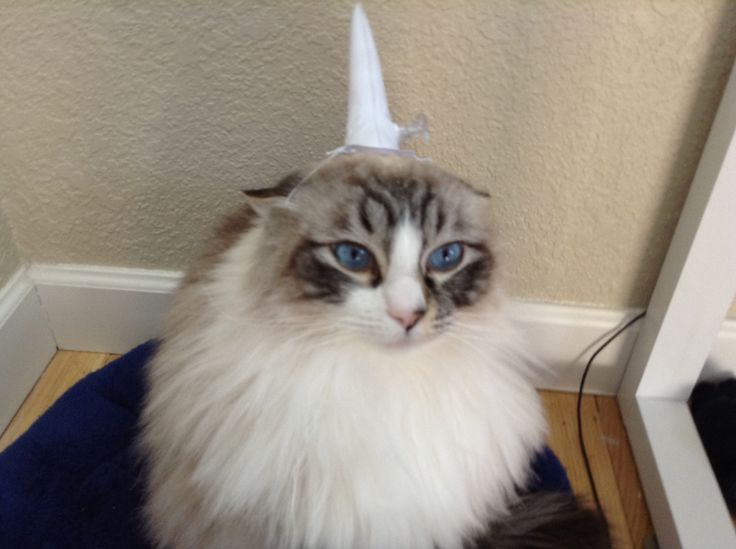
{"x":565,"y":337}
{"x":26,"y":343}
{"x":103,"y":309}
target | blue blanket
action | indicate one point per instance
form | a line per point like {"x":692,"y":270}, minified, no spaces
{"x":73,"y":480}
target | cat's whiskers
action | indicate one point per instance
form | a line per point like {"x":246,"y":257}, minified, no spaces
{"x":282,"y":322}
{"x":465,"y":342}
{"x":470,"y":328}
{"x":464,"y":336}
{"x":478,"y":323}
{"x":507,"y":374}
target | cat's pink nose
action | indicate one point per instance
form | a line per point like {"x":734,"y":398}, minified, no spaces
{"x":406,"y":317}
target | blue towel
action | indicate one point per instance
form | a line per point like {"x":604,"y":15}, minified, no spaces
{"x":73,"y":480}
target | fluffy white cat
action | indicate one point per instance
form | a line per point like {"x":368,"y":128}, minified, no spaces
{"x":339,"y":371}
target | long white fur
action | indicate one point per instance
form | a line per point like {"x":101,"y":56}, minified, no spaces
{"x":299,"y":432}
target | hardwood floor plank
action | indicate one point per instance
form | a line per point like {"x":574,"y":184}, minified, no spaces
{"x":562,"y":413}
{"x":563,"y":440}
{"x":627,"y":477}
{"x":604,"y":474}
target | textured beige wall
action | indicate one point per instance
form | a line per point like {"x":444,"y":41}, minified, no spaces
{"x":9,"y":257}
{"x":128,"y":127}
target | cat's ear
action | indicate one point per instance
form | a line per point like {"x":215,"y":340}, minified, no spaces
{"x":262,"y":200}
{"x":475,"y":190}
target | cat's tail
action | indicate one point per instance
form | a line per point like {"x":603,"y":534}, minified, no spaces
{"x":547,"y":520}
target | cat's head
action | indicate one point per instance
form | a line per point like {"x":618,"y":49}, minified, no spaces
{"x":382,"y":247}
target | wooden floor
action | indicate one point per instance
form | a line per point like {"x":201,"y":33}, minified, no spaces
{"x":611,"y":460}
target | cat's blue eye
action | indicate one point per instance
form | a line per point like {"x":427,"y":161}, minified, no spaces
{"x":352,"y":256}
{"x":446,"y":257}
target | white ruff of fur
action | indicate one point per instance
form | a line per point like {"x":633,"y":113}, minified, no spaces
{"x":323,"y":440}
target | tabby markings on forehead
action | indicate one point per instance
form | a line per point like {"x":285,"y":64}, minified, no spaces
{"x":394,"y":196}
{"x":383,"y":199}
{"x":427,"y":199}
{"x":440,"y":222}
{"x":364,"y":217}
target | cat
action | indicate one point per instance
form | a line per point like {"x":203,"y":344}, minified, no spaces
{"x":339,"y":370}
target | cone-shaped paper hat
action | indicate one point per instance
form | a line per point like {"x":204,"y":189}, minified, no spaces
{"x":369,"y":121}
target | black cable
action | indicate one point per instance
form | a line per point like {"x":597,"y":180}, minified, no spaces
{"x":580,"y":406}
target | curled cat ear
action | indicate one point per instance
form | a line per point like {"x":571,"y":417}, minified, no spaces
{"x":263,"y":199}
{"x":475,"y":190}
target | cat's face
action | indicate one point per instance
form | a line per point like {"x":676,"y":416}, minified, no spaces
{"x":384,"y":248}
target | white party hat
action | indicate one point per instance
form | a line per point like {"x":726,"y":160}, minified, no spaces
{"x":369,"y":120}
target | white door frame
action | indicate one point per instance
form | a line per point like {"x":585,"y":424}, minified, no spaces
{"x":691,"y":298}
